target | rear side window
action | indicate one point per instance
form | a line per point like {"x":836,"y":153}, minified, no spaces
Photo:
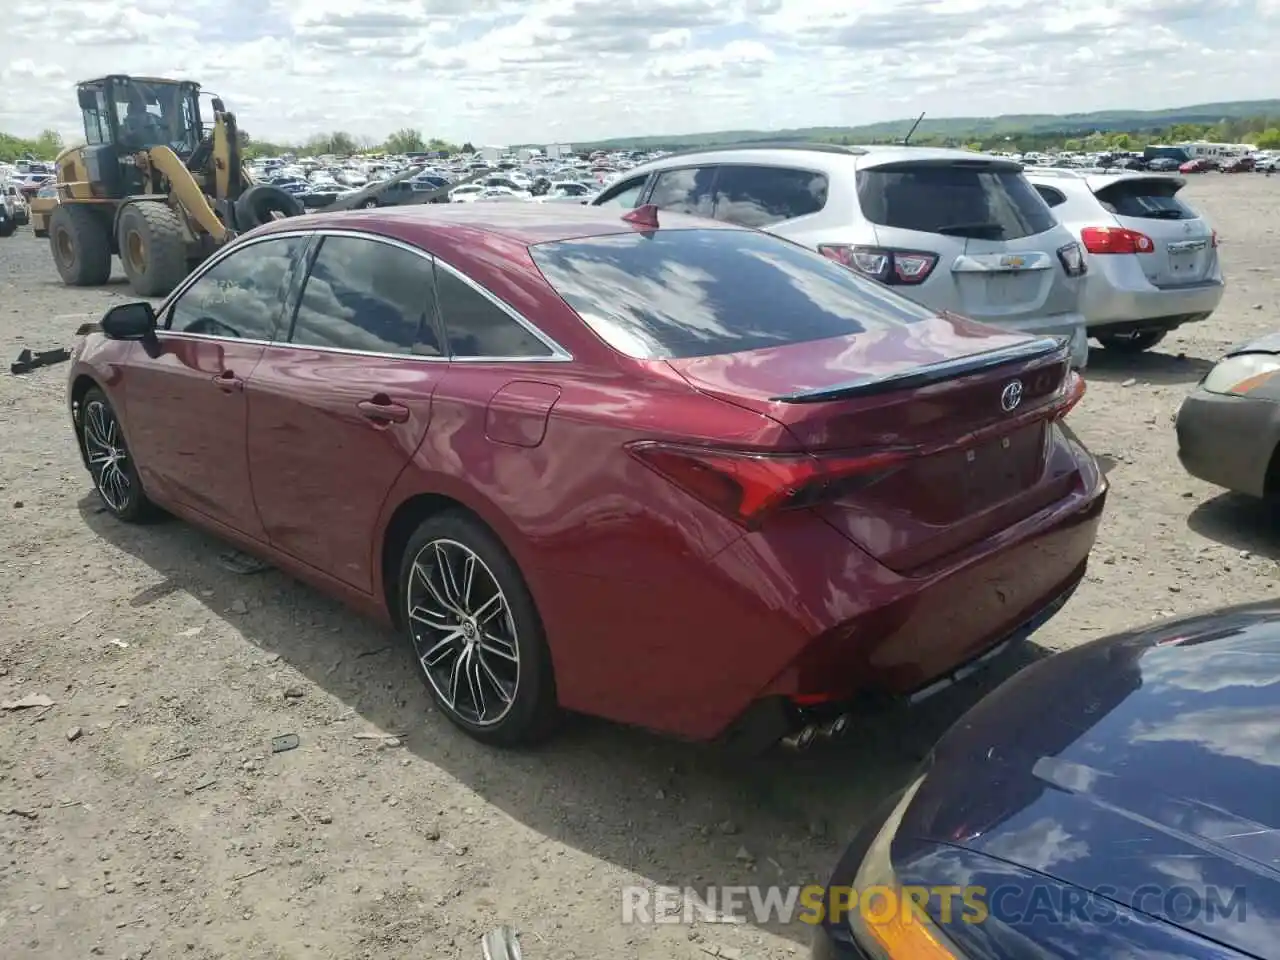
{"x":762,"y":196}
{"x":477,"y":327}
{"x":368,"y":296}
{"x":1151,"y":199}
{"x":1054,"y":198}
{"x":685,"y":191}
{"x":694,"y":293}
{"x":972,"y":200}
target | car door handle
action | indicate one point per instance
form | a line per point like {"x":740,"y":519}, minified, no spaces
{"x":382,"y":410}
{"x":228,"y":381}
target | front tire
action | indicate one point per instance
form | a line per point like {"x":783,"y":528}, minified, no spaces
{"x":80,"y":240}
{"x":1134,"y":341}
{"x":115,"y":476}
{"x":475,"y":632}
{"x":153,"y":248}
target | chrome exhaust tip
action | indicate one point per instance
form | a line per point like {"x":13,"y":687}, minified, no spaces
{"x":812,"y":732}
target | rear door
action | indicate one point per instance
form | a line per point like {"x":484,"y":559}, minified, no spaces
{"x":995,"y":239}
{"x":337,"y":411}
{"x":1184,"y":251}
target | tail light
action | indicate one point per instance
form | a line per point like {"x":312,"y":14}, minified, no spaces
{"x":1073,"y":261}
{"x":1072,"y":393}
{"x":893,"y":267}
{"x":748,"y":487}
{"x":1115,"y":240}
{"x":1213,"y":240}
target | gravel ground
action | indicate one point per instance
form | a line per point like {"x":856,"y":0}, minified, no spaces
{"x":144,"y":814}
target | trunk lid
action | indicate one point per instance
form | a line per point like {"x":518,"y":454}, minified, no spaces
{"x":1184,"y":251}
{"x":973,"y":405}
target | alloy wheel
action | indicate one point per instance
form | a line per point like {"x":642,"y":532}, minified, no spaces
{"x":463,"y":632}
{"x":108,"y":457}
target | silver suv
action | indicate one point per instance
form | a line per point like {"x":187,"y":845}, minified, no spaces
{"x":1153,"y":260}
{"x":956,"y":231}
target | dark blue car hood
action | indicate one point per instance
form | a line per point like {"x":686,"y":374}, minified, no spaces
{"x":1132,"y":766}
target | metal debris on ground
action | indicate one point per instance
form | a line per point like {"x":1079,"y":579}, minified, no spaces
{"x":241,"y":563}
{"x":27,"y":702}
{"x":501,"y":943}
{"x":286,"y":741}
{"x":29,"y":360}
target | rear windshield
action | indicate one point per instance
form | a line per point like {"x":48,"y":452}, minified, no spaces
{"x":695,"y":293}
{"x":956,"y":199}
{"x":1155,"y":198}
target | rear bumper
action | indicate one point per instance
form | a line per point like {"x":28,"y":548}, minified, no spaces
{"x":1117,"y":293}
{"x":1228,"y":441}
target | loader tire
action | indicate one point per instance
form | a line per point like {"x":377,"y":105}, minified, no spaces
{"x":153,"y":247}
{"x":80,"y":241}
{"x":260,"y":203}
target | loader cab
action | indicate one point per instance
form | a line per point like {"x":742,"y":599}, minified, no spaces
{"x":127,"y":115}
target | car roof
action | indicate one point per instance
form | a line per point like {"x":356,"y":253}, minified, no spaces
{"x":1095,"y":179}
{"x":521,"y":223}
{"x":824,"y":154}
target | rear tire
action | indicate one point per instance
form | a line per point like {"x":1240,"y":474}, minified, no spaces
{"x":1133,"y":342}
{"x":80,"y":241}
{"x":8,"y":227}
{"x":115,"y":476}
{"x":476,"y":635}
{"x":153,"y":247}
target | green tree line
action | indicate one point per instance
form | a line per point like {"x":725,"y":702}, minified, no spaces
{"x":1264,"y":132}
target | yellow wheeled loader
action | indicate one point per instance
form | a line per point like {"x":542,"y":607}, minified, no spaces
{"x":153,"y":185}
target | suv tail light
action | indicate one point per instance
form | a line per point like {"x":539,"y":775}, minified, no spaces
{"x":893,"y":267}
{"x":1073,"y":261}
{"x":1115,"y":240}
{"x":1214,"y":239}
{"x":747,"y":487}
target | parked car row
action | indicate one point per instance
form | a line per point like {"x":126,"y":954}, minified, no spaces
{"x":1125,"y":261}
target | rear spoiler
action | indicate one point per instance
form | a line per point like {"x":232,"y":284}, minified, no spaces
{"x":934,"y":372}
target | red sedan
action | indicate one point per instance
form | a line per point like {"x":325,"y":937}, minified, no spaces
{"x":687,"y":476}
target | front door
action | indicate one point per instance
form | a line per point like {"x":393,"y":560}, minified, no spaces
{"x":185,"y":395}
{"x":338,"y":407}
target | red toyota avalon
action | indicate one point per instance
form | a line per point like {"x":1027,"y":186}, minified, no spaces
{"x":682,"y":474}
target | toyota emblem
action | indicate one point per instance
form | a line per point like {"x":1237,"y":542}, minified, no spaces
{"x":1011,"y":396}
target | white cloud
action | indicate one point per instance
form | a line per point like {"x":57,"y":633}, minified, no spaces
{"x":504,"y":71}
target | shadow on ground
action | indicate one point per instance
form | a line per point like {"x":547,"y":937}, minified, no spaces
{"x":1239,"y":522}
{"x":674,"y":813}
{"x":1151,"y":366}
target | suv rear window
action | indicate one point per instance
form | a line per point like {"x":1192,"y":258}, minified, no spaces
{"x":695,"y":293}
{"x":959,"y":199}
{"x":1148,"y":198}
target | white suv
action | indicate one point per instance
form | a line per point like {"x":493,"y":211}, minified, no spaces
{"x":953,"y":230}
{"x":1153,"y":260}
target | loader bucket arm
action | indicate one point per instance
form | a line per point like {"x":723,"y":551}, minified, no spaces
{"x":187,"y":192}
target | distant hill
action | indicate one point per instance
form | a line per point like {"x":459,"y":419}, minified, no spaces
{"x":1119,"y":121}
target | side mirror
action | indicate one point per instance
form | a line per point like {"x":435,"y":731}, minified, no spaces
{"x":130,"y":321}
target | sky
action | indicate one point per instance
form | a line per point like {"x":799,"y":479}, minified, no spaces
{"x":499,"y":72}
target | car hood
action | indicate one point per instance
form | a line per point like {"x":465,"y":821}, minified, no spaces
{"x":1131,"y":767}
{"x":1269,"y":343}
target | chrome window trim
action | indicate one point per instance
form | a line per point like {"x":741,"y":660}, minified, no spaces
{"x":558,"y":353}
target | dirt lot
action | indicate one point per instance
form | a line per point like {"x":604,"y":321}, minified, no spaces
{"x":147,"y":815}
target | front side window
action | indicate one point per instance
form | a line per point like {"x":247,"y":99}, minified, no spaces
{"x":241,"y":295}
{"x":477,"y":327}
{"x":762,"y":196}
{"x":691,"y":293}
{"x":368,"y":296}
